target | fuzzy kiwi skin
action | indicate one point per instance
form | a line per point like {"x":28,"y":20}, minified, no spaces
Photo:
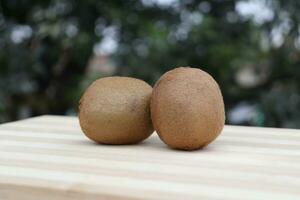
{"x":187,"y":108}
{"x":116,"y":110}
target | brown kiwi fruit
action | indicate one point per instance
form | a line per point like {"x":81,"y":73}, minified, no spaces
{"x":187,"y":108}
{"x":116,"y":110}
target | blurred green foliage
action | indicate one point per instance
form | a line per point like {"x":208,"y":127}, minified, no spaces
{"x":46,"y":48}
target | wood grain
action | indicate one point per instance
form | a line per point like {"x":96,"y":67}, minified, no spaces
{"x":49,"y":158}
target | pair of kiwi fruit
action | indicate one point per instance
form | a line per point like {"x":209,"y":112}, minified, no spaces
{"x":185,"y":107}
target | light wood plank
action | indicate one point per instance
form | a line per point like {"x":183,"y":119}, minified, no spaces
{"x":48,"y":157}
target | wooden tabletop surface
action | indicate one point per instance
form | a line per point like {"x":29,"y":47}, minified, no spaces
{"x":48,"y":158}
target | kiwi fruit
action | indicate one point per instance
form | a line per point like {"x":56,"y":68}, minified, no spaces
{"x":187,"y":108}
{"x":116,"y":110}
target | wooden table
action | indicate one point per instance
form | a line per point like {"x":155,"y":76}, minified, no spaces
{"x":48,"y":158}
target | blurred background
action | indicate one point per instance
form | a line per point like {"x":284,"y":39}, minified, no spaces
{"x":50,"y":51}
